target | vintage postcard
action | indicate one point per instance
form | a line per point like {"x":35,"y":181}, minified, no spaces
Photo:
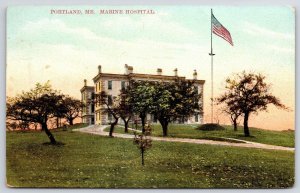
{"x":150,"y":97}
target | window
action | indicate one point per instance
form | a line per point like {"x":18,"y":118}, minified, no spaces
{"x":109,"y":84}
{"x":123,"y":84}
{"x":96,"y":116}
{"x":99,"y":89}
{"x":196,"y":118}
{"x":110,"y":101}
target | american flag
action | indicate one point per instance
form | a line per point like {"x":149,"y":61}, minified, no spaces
{"x":220,"y":30}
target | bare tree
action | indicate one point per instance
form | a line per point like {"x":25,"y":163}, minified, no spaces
{"x":143,"y":141}
{"x":248,"y":93}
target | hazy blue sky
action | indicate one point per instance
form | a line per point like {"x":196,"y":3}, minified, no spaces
{"x":66,"y":49}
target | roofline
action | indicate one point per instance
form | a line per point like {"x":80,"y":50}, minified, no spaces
{"x":156,"y":76}
{"x":87,"y":88}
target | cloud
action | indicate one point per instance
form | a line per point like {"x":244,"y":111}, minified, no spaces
{"x":256,"y":30}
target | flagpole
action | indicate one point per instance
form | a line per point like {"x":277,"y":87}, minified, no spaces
{"x":212,"y":65}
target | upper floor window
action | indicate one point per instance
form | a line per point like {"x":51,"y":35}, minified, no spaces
{"x":109,"y":85}
{"x":123,"y":84}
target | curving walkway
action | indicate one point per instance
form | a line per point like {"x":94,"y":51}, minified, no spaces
{"x":99,"y":130}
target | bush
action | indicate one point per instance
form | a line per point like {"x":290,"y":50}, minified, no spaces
{"x":210,"y":127}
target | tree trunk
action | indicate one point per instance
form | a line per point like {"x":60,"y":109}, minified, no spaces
{"x":235,"y":124}
{"x":112,"y":127}
{"x":142,"y":152}
{"x":246,"y":128}
{"x":71,"y":121}
{"x":164,"y":125}
{"x":126,"y":125}
{"x":143,"y":117}
{"x":57,"y":122}
{"x":165,"y":130}
{"x":48,"y":133}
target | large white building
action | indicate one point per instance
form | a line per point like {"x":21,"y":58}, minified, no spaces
{"x":113,"y":83}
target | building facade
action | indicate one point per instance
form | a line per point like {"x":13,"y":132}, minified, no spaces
{"x":113,"y":83}
{"x":88,"y":109}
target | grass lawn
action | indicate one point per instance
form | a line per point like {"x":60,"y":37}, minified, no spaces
{"x":281,"y":138}
{"x":95,"y":161}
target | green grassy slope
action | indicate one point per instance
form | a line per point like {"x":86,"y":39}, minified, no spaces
{"x":95,"y":161}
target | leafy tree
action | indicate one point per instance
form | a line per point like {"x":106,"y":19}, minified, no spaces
{"x":72,"y":109}
{"x":187,"y":98}
{"x":248,"y":93}
{"x":175,"y":101}
{"x":36,"y":106}
{"x":141,"y":98}
{"x":167,"y":101}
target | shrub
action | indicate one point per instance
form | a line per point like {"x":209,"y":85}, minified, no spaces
{"x":210,"y":127}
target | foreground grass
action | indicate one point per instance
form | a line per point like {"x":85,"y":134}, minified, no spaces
{"x":95,"y":161}
{"x":281,"y":138}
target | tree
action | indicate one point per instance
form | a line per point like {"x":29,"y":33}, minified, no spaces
{"x":72,"y":109}
{"x":36,"y":106}
{"x":234,"y":112}
{"x":167,"y":101}
{"x":248,"y":93}
{"x":173,"y":101}
{"x":141,"y":98}
{"x":234,"y":115}
{"x":143,"y":141}
{"x":110,"y":107}
{"x":163,"y":107}
{"x":125,"y":108}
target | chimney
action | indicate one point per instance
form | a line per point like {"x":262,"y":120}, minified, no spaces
{"x":159,"y":71}
{"x":99,"y":69}
{"x":195,"y":75}
{"x":130,"y":69}
{"x":175,"y":72}
{"x":126,"y":69}
{"x":85,"y":84}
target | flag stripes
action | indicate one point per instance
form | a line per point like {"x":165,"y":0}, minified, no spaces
{"x":220,"y":30}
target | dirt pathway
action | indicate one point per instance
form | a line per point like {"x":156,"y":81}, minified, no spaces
{"x":99,"y":130}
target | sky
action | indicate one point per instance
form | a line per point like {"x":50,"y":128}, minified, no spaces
{"x":66,"y":49}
